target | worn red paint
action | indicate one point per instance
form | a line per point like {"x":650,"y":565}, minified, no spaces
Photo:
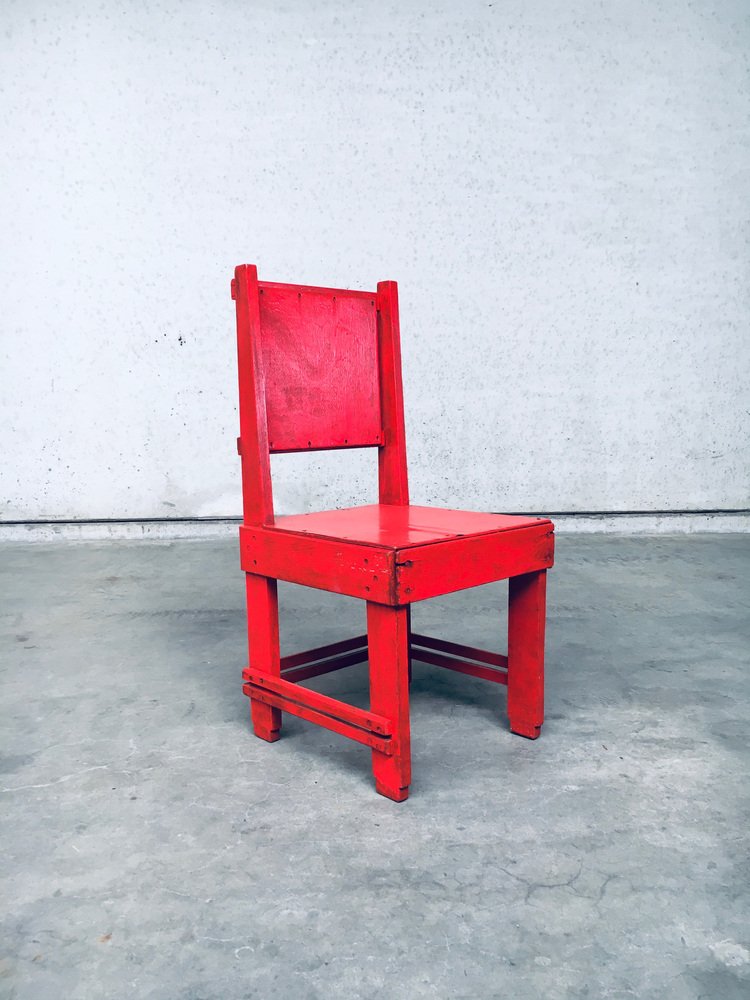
{"x":320,"y":368}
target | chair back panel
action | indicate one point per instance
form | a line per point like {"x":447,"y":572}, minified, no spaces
{"x":319,"y":368}
{"x":320,"y":361}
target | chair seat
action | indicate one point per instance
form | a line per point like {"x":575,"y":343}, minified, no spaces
{"x":399,"y":527}
{"x":396,"y":554}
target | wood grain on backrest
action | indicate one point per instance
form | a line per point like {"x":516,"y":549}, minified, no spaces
{"x":320,"y":360}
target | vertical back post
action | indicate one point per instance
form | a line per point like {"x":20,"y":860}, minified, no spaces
{"x":252,"y":444}
{"x":393,"y":480}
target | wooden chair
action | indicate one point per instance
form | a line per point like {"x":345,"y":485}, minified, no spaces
{"x":320,"y":368}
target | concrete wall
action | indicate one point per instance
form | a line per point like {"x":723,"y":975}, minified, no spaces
{"x":561,"y":190}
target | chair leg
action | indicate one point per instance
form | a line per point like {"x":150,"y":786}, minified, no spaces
{"x":388,"y":646}
{"x":263,"y":645}
{"x":526,"y":616}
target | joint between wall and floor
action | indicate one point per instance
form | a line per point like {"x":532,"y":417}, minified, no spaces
{"x":168,"y":529}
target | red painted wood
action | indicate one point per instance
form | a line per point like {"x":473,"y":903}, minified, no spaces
{"x":388,"y":639}
{"x":398,"y":527}
{"x":371,"y":720}
{"x":324,"y":666}
{"x":390,"y":575}
{"x":381,"y":744}
{"x":321,"y":652}
{"x":263,"y":648}
{"x":459,"y":563}
{"x":460,"y":666}
{"x":458,"y":649}
{"x":526,"y":615}
{"x":343,"y":567}
{"x":252,"y":444}
{"x":320,"y":360}
{"x":393,"y":480}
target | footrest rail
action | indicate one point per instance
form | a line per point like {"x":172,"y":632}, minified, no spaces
{"x":356,"y":723}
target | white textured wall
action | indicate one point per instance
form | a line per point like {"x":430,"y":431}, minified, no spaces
{"x":561,"y":190}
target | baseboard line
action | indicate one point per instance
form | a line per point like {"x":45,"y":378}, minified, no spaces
{"x":566,"y":522}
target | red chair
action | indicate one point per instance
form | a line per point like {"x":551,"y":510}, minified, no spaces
{"x":320,"y":368}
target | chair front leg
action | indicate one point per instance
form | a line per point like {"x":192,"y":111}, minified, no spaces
{"x":263,"y":647}
{"x":388,"y":646}
{"x":526,"y":617}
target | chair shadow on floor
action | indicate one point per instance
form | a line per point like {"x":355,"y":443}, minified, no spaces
{"x":435,"y":696}
{"x":441,"y":701}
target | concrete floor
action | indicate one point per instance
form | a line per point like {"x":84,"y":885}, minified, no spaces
{"x":153,"y":848}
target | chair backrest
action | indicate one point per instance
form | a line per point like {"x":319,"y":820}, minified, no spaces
{"x":319,"y":368}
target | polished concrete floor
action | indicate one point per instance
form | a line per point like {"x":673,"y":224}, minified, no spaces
{"x":153,"y":848}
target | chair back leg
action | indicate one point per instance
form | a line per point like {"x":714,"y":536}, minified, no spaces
{"x":526,"y":615}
